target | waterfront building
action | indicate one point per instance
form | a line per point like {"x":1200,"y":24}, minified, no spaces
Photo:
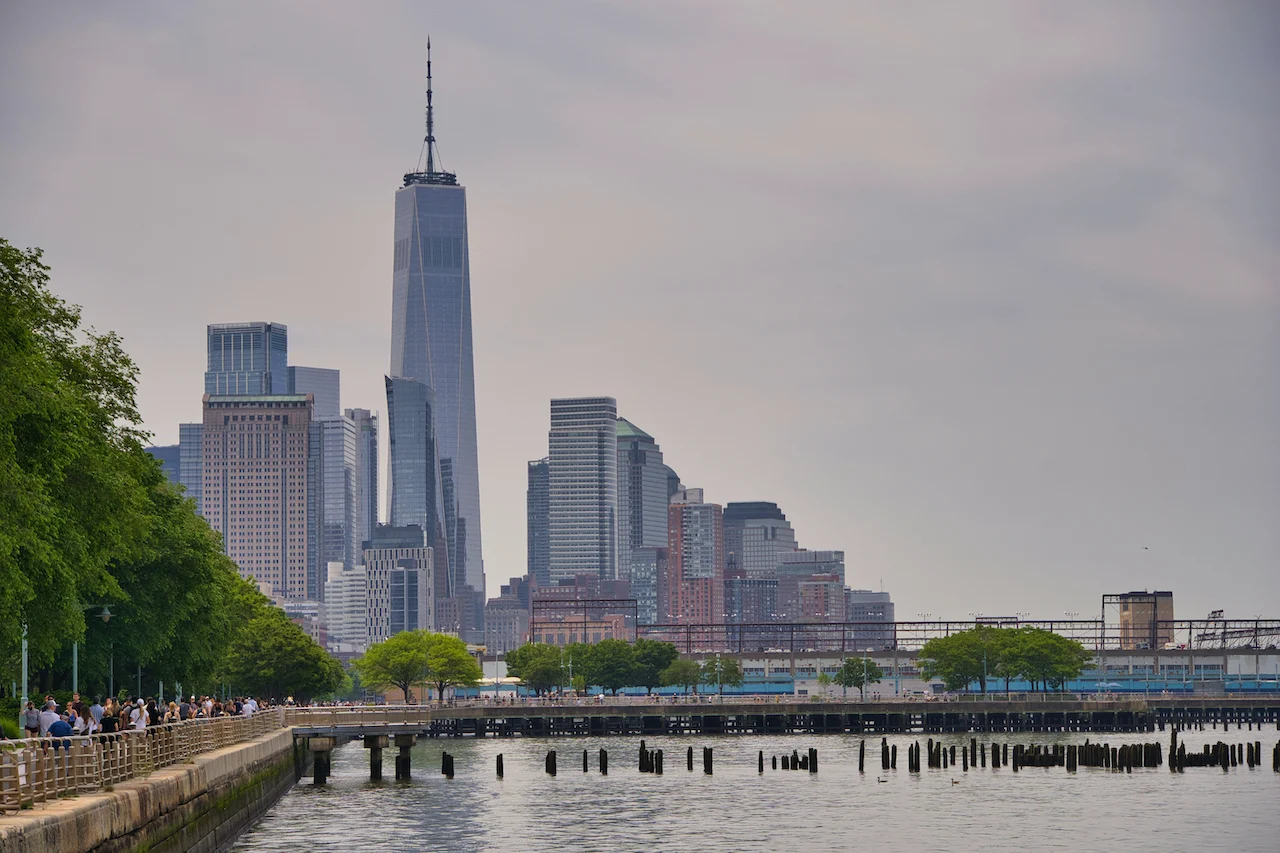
{"x":255,"y":485}
{"x":538,"y":508}
{"x":346,"y":606}
{"x":324,"y":386}
{"x":170,"y":458}
{"x":798,"y":566}
{"x":191,"y":461}
{"x":648,"y":576}
{"x":331,"y":477}
{"x":247,"y":359}
{"x":642,"y":494}
{"x":756,"y":535}
{"x":400,"y":582}
{"x":695,"y":561}
{"x":1145,"y":619}
{"x":874,"y":610}
{"x":583,"y":487}
{"x":431,"y":342}
{"x":366,"y":488}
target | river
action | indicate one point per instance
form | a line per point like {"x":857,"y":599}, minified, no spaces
{"x":737,"y":809}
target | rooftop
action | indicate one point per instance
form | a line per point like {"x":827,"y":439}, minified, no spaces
{"x":626,"y":429}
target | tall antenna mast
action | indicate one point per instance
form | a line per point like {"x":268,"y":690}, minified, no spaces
{"x":431,"y":137}
{"x":430,"y":175}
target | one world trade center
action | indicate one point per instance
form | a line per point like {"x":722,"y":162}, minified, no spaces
{"x":431,"y":347}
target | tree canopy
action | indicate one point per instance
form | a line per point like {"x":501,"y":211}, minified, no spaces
{"x":858,"y":673}
{"x":682,"y":673}
{"x":721,"y":671}
{"x":1042,"y":657}
{"x":537,"y":665}
{"x":274,"y":657}
{"x":418,"y":657}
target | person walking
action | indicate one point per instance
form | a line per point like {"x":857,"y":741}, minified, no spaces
{"x":29,"y":719}
{"x":48,"y":716}
{"x":138,"y":716}
{"x":110,"y":722}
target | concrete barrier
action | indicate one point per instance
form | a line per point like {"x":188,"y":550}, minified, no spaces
{"x":201,"y":805}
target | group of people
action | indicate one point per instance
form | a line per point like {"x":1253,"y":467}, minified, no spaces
{"x":116,"y":716}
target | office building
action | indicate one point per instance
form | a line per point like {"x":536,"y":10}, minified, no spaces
{"x":642,"y":494}
{"x":648,"y":577}
{"x":413,"y":482}
{"x":331,"y":476}
{"x":400,"y":582}
{"x":506,"y":618}
{"x":255,"y":485}
{"x":366,"y":471}
{"x":191,"y":461}
{"x":169,"y":456}
{"x":538,"y":507}
{"x":583,"y":488}
{"x":247,"y":359}
{"x":324,"y":386}
{"x":346,"y":606}
{"x":798,"y":566}
{"x":431,"y":338}
{"x":756,"y":535}
{"x":873,"y":616}
{"x":695,"y":561}
{"x":750,"y":601}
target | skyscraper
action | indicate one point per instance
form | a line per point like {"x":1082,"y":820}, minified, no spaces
{"x":414,"y":491}
{"x":331,"y":513}
{"x":170,"y":456}
{"x":247,"y":359}
{"x":191,"y":461}
{"x":400,"y":582}
{"x":642,"y":494}
{"x":756,"y":535}
{"x":255,"y":487}
{"x":366,"y":471}
{"x":695,"y":562}
{"x":583,"y":488}
{"x":797,"y":572}
{"x":324,"y":386}
{"x":431,"y":336}
{"x":538,"y":508}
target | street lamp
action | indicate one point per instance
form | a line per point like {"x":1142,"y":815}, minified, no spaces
{"x":105,"y":616}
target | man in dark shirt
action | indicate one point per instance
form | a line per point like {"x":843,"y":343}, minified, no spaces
{"x":184,"y":710}
{"x":60,"y":728}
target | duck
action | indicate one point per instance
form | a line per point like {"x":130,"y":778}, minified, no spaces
{"x":955,"y":781}
{"x":878,"y":779}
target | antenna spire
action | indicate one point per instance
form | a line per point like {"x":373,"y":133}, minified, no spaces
{"x":431,"y":137}
{"x":431,"y":175}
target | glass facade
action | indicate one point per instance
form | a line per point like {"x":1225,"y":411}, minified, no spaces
{"x":431,"y":343}
{"x":399,"y":582}
{"x":642,"y":494}
{"x":415,"y":483}
{"x":247,"y":358}
{"x":538,"y":506}
{"x":583,"y":488}
{"x":332,"y":536}
{"x":324,"y":386}
{"x":366,"y":471}
{"x":191,"y":460}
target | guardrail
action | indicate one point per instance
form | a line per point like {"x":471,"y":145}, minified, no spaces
{"x":36,"y":770}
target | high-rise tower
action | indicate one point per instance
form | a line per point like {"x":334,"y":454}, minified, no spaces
{"x":431,"y":340}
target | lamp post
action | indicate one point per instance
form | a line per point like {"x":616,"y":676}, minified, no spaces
{"x":105,"y":616}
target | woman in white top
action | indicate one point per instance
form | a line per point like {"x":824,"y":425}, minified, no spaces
{"x":138,"y":717}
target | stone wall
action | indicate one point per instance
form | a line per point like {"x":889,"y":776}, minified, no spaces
{"x":201,"y":806}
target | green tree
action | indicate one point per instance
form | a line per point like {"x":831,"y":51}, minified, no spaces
{"x":449,"y":664}
{"x":400,"y":661}
{"x":964,"y":657}
{"x":858,"y":673}
{"x":1048,"y":659}
{"x":651,"y":658}
{"x":537,"y":665}
{"x":721,"y":671}
{"x":610,"y":664}
{"x":824,"y":681}
{"x":273,"y":657}
{"x":682,"y":673}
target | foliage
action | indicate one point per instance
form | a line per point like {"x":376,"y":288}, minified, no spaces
{"x":449,"y":664}
{"x":721,"y":671}
{"x":682,"y":673}
{"x":1042,"y":657}
{"x":398,"y":661}
{"x":651,"y":658}
{"x":858,"y":673}
{"x":610,"y":664}
{"x":537,"y":665}
{"x":273,"y":657}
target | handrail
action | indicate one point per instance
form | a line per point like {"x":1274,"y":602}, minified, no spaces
{"x":36,"y":770}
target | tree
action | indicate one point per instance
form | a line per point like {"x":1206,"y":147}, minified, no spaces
{"x":682,"y":673}
{"x":537,"y":665}
{"x":611,"y":664}
{"x":275,"y":658}
{"x":964,"y":657}
{"x":1049,"y":659}
{"x":721,"y":671}
{"x":400,"y":661}
{"x":824,"y":681}
{"x":858,"y":673}
{"x":449,"y":664}
{"x":651,"y":658}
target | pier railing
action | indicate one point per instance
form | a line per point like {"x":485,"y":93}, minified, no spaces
{"x":36,"y":770}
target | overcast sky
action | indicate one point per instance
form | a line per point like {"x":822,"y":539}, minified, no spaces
{"x":985,"y":294}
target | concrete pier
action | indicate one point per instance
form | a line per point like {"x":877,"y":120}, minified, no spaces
{"x":405,"y":743}
{"x":375,"y":744}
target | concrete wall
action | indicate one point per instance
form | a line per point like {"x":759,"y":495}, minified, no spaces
{"x":201,"y":806}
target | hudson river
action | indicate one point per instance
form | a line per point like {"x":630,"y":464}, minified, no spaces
{"x":737,"y":809}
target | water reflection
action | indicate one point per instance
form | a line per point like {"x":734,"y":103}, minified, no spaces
{"x":737,"y":809}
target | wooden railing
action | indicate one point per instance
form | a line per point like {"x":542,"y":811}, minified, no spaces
{"x":36,"y":770}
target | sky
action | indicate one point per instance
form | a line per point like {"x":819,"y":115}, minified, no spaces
{"x":986,"y":294}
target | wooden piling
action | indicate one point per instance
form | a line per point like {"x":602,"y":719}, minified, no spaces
{"x":689,"y":757}
{"x":862,"y":756}
{"x":813,"y":759}
{"x":657,"y":763}
{"x":604,"y":762}
{"x":499,"y":765}
{"x":551,"y":763}
{"x":893,"y":757}
{"x":706,"y":760}
{"x":884,"y":753}
{"x":760,"y":762}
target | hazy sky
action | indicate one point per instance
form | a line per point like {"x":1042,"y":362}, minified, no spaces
{"x":985,"y":294}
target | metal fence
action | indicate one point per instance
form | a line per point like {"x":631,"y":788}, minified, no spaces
{"x":36,"y":770}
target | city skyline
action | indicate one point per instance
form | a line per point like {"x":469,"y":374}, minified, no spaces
{"x":1027,"y":345}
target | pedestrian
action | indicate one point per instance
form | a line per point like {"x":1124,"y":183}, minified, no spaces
{"x":110,"y":717}
{"x":184,"y":710}
{"x":30,"y":720}
{"x":97,"y":711}
{"x":154,"y":715}
{"x":171,"y":714}
{"x":48,"y":716}
{"x":138,"y":716}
